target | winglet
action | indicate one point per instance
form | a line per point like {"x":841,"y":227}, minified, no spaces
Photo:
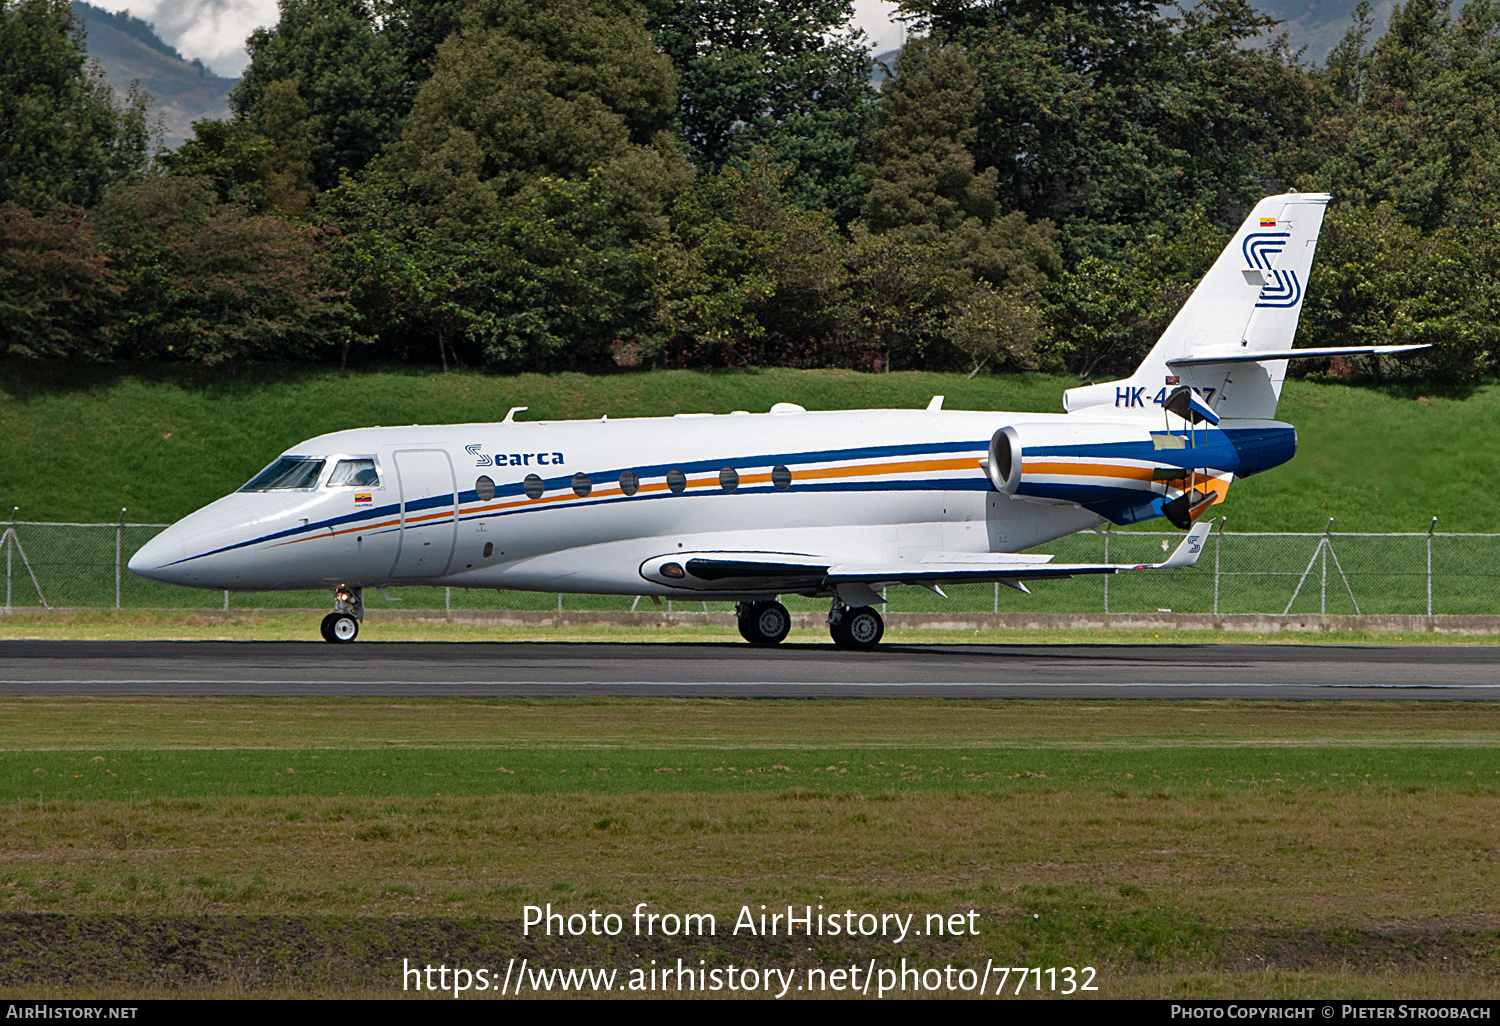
{"x":1191,"y":548}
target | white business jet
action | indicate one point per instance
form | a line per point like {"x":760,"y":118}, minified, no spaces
{"x":747,"y":507}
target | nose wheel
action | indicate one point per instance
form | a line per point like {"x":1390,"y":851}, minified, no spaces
{"x":342,"y":625}
{"x":340,"y":628}
{"x":764,"y":623}
{"x":858,"y":629}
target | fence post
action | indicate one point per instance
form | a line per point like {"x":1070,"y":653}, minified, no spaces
{"x":119,"y":536}
{"x":557,"y":619}
{"x":1323,"y":578}
{"x":1429,"y":564}
{"x":10,"y":544}
{"x":1106,"y":559}
{"x":448,"y":603}
{"x":1218,"y":540}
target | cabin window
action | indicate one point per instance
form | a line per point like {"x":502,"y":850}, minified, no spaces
{"x":582,"y":485}
{"x":729,"y":479}
{"x":354,"y":474}
{"x":533,"y":486}
{"x":676,"y":481}
{"x":781,"y":478}
{"x":290,"y":473}
{"x":484,"y":488}
{"x":629,"y":483}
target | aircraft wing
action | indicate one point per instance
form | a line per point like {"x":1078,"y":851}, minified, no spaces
{"x":782,"y":571}
{"x":957,"y":568}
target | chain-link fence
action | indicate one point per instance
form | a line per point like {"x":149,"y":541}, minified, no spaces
{"x":83,"y":565}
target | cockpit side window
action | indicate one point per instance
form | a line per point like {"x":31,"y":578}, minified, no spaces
{"x":354,"y":474}
{"x":289,"y":473}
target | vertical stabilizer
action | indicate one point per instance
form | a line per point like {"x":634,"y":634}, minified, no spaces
{"x":1249,"y":300}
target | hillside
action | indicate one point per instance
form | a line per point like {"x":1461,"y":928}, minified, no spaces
{"x":86,"y":442}
{"x":129,"y":48}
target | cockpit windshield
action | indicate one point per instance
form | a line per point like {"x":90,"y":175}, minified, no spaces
{"x":287,"y":474}
{"x":354,"y":474}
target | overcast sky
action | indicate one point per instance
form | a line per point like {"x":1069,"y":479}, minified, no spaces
{"x":214,"y":31}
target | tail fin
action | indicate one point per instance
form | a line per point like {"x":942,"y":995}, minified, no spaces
{"x":1248,"y":301}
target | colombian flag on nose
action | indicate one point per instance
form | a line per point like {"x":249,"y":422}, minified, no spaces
{"x":1268,"y":222}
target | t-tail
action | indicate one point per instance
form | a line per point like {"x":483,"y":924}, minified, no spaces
{"x":1231,"y":340}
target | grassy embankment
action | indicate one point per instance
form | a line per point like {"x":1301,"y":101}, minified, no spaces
{"x":1212,"y":849}
{"x":78,"y":446}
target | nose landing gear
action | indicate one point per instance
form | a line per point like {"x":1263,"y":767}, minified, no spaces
{"x":858,"y":629}
{"x":342,"y":625}
{"x":763,"y":623}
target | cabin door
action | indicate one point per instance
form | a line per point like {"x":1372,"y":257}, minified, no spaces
{"x":429,"y":513}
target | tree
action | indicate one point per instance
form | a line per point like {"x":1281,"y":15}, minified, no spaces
{"x":212,"y":282}
{"x":530,"y":91}
{"x":55,"y":285}
{"x":1379,"y":280}
{"x":349,"y":70}
{"x":265,"y":164}
{"x":1115,"y":117}
{"x":62,"y":139}
{"x":1411,"y":119}
{"x":745,"y":276}
{"x":788,"y":78}
{"x":1105,"y":315}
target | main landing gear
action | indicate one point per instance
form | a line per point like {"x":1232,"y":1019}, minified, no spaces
{"x":858,"y":629}
{"x":763,"y":623}
{"x":342,"y":625}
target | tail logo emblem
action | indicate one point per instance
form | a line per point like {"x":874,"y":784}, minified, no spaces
{"x":1261,"y":250}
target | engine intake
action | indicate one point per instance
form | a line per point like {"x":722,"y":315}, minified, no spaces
{"x":1004,"y":463}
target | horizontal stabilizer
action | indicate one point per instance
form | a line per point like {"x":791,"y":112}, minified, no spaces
{"x":1260,"y":355}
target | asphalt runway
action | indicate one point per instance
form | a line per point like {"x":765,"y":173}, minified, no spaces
{"x":1463,"y":673}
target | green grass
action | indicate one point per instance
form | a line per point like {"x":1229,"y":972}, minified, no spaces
{"x":160,"y":625}
{"x":112,"y":775}
{"x":1211,"y":849}
{"x":77,"y":444}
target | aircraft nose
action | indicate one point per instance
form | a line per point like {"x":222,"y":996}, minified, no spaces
{"x":155,"y":558}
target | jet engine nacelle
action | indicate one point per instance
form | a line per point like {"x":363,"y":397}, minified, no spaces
{"x":1013,"y":446}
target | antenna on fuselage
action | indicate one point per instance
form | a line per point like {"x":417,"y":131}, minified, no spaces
{"x":510,"y":418}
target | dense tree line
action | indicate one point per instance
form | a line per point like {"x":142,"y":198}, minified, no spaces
{"x":522,"y":184}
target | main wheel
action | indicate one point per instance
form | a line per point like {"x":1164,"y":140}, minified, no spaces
{"x":339,"y":628}
{"x":765,"y":623}
{"x":859,"y":629}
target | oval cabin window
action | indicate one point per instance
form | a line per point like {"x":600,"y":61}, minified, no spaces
{"x":729,"y":479}
{"x":781,"y":478}
{"x":676,"y":481}
{"x":485,"y":489}
{"x":533,"y":486}
{"x":629,"y":482}
{"x":582,"y":485}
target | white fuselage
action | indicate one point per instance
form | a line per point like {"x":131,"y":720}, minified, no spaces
{"x":887,"y":485}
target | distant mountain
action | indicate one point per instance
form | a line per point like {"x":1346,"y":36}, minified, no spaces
{"x":182,"y":91}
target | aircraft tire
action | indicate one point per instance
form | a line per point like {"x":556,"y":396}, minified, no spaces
{"x":765,"y":623}
{"x":859,"y":629}
{"x":339,"y":628}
